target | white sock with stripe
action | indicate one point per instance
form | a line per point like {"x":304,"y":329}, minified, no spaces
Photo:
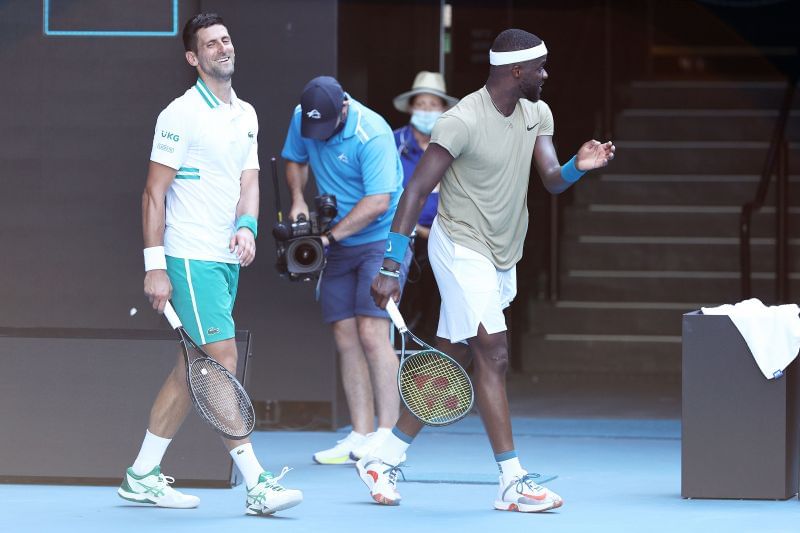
{"x":150,"y":454}
{"x":509,"y":466}
{"x":247,"y":463}
{"x":393,"y":447}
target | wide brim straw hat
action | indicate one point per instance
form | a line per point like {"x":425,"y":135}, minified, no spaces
{"x":424,"y":83}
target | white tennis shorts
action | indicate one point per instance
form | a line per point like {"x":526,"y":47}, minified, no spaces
{"x":473,"y":290}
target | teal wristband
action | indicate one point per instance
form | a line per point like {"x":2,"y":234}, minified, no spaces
{"x":396,"y":246}
{"x":570,"y":172}
{"x":249,"y":222}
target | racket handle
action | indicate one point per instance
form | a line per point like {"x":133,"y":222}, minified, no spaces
{"x":172,"y":316}
{"x":397,"y":318}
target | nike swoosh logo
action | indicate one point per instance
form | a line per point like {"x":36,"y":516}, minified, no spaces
{"x":389,"y":247}
{"x":531,"y":127}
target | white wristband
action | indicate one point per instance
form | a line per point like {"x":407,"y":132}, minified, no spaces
{"x":154,"y":258}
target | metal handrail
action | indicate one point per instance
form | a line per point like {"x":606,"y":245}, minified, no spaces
{"x":778,"y":152}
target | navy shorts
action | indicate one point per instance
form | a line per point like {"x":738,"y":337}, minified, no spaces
{"x":345,"y":283}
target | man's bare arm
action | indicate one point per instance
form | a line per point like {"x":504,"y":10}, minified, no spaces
{"x":591,"y":155}
{"x":157,"y":286}
{"x":363,"y":213}
{"x":429,"y":172}
{"x":296,"y":179}
{"x":243,"y":242}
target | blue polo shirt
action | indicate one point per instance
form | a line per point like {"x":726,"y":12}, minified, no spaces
{"x":360,"y":160}
{"x":410,"y":154}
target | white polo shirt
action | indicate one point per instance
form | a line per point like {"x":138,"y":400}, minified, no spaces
{"x":209,"y":143}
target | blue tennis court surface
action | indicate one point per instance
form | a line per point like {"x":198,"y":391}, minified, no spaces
{"x":614,"y":475}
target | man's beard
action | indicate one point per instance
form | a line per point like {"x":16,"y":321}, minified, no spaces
{"x":220,"y":71}
{"x":532,"y":92}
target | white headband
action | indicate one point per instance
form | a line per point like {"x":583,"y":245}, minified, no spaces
{"x":517,"y":56}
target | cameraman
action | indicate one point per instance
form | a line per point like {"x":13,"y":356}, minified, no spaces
{"x":352,"y":153}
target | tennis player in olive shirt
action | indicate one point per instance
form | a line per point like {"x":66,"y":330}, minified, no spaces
{"x":480,"y":151}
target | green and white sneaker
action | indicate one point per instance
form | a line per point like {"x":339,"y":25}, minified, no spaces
{"x":154,"y":488}
{"x":268,"y":496}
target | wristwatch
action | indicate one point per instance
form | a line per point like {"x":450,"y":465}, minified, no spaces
{"x":329,"y":235}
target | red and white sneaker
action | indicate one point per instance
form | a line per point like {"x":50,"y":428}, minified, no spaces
{"x":380,"y":478}
{"x":524,"y":495}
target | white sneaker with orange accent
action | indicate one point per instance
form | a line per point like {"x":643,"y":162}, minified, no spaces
{"x":380,"y":478}
{"x":524,"y":495}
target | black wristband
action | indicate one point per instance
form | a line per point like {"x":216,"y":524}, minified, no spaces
{"x":329,"y":235}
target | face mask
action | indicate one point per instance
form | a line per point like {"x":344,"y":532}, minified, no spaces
{"x":424,"y":120}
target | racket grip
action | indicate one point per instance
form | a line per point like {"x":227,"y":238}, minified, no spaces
{"x":397,"y":318}
{"x":172,"y":316}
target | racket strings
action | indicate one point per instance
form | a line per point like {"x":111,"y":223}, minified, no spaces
{"x":435,"y":388}
{"x":220,"y":398}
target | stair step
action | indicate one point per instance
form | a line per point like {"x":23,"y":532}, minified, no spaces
{"x":658,"y":319}
{"x":696,"y":255}
{"x":670,"y":221}
{"x":737,"y":190}
{"x":693,"y":157}
{"x":702,"y":124}
{"x":706,"y":94}
{"x":634,"y":355}
{"x":656,"y":234}
{"x":702,"y":286}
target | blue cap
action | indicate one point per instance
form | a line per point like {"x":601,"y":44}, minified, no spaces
{"x":321,"y":105}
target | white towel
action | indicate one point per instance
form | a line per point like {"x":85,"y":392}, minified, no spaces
{"x":772,"y":333}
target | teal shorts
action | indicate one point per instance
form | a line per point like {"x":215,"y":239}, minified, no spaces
{"x":203,"y":293}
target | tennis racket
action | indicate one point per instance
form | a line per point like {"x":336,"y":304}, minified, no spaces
{"x":433,"y":386}
{"x":217,"y":395}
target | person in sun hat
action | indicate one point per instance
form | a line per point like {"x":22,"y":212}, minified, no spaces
{"x":425,"y":103}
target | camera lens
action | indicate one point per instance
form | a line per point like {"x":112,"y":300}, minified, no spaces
{"x":305,"y":255}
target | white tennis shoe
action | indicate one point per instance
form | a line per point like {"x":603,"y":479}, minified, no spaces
{"x":371,"y":443}
{"x":524,"y":495}
{"x":380,"y":478}
{"x":154,"y":488}
{"x":269,"y":496}
{"x":340,"y":453}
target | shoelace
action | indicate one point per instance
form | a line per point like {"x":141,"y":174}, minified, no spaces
{"x":392,"y":472}
{"x":272,"y":482}
{"x":167,"y":480}
{"x":527,"y":481}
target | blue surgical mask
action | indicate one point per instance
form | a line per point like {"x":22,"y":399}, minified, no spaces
{"x":423,"y":121}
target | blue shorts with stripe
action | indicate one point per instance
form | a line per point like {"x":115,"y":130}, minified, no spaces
{"x":203,"y":294}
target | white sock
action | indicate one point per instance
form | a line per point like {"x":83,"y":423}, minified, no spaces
{"x":380,"y":435}
{"x":510,"y":469}
{"x":391,"y":450}
{"x":247,"y":463}
{"x":150,"y":454}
